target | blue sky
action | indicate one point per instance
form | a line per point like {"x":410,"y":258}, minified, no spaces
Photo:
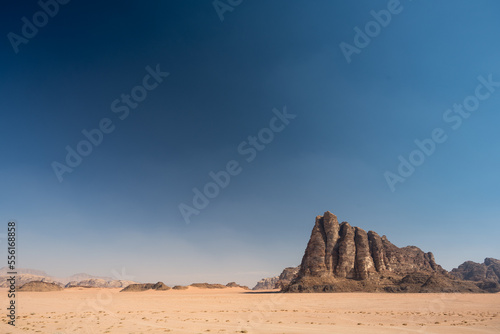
{"x":119,"y":208}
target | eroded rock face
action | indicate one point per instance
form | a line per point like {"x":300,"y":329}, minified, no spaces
{"x":344,"y":251}
{"x":287,"y":275}
{"x":487,"y":274}
{"x":278,"y":282}
{"x":266,"y":283}
{"x":341,"y":257}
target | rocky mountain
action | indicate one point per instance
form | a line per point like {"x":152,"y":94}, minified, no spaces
{"x":486,"y":274}
{"x":341,"y":257}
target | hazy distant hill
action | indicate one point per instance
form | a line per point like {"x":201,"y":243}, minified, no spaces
{"x":4,"y":270}
{"x":25,"y":275}
{"x":81,"y":277}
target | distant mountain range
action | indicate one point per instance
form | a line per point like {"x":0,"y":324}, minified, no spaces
{"x":25,"y":275}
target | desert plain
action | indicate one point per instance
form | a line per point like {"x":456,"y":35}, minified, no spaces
{"x":235,"y":310}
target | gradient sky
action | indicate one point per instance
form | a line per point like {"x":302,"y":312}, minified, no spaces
{"x":119,"y":209}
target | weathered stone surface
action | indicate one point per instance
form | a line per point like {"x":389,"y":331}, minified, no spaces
{"x":314,"y":262}
{"x":286,"y":276}
{"x":344,"y":251}
{"x":377,"y":251}
{"x":486,"y":275}
{"x":347,"y":252}
{"x":331,"y":227}
{"x":346,"y":258}
{"x":278,"y":282}
{"x":364,"y":265}
{"x":266,"y":283}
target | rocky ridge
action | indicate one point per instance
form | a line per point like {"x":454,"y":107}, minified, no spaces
{"x":486,"y":274}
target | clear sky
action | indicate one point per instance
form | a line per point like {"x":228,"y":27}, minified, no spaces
{"x":351,"y":115}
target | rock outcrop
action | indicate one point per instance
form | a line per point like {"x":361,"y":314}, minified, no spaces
{"x":180,"y":287}
{"x":266,"y":283}
{"x":39,"y":286}
{"x":486,"y":275}
{"x":208,"y":286}
{"x":277,"y":282}
{"x":235,"y":285}
{"x":341,"y":257}
{"x":146,"y":286}
{"x":286,"y":276}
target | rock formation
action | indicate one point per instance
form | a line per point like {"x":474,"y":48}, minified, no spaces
{"x":39,"y":286}
{"x":180,"y":287}
{"x":286,"y":276}
{"x":341,"y":257}
{"x":277,"y":282}
{"x":486,"y":275}
{"x":266,"y":283}
{"x":235,"y":285}
{"x":145,"y":286}
{"x":22,"y":279}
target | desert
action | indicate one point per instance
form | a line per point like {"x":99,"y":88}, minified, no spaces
{"x":237,"y":166}
{"x":349,"y":281}
{"x":235,"y":310}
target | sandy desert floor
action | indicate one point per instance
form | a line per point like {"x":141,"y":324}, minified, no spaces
{"x":235,"y":310}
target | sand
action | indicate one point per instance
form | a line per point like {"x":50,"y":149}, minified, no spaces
{"x":234,"y":310}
